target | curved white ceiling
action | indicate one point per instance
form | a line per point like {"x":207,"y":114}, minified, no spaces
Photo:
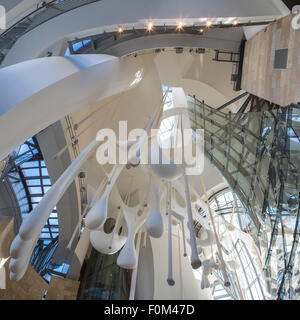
{"x":95,"y":17}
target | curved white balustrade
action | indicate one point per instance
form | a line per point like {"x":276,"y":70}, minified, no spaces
{"x":63,"y":84}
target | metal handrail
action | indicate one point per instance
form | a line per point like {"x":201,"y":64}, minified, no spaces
{"x":7,"y":41}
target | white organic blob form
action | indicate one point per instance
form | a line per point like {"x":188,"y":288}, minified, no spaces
{"x":104,"y":243}
{"x":96,"y":217}
{"x":161,"y":166}
{"x":135,"y":218}
{"x":16,"y":277}
{"x":134,"y":161}
{"x":19,"y":265}
{"x":20,"y":247}
{"x":154,"y":224}
{"x":296,"y":22}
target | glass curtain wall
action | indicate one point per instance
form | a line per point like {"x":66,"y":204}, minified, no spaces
{"x":258,"y":153}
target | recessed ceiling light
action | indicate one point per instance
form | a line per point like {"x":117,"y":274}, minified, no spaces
{"x":179,"y":25}
{"x":208,"y":23}
{"x":150,"y":26}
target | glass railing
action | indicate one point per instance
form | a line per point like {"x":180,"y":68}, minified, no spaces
{"x":258,"y":153}
{"x":43,"y":14}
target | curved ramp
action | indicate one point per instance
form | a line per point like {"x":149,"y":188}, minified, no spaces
{"x":36,"y":93}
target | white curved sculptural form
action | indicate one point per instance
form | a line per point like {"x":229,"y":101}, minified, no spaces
{"x":163,"y":167}
{"x":108,"y":243}
{"x":85,"y":79}
{"x":135,"y":217}
{"x":97,"y":216}
{"x":19,"y":265}
{"x":205,"y":222}
{"x":35,"y":221}
{"x":154,"y":223}
{"x":182,"y":211}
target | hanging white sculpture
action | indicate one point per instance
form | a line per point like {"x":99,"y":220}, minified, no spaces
{"x":154,"y":223}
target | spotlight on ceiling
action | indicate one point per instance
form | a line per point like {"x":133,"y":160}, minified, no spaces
{"x":200,"y":50}
{"x":208,"y":23}
{"x":179,"y":25}
{"x":120,"y":29}
{"x":235,"y":22}
{"x":150,"y":26}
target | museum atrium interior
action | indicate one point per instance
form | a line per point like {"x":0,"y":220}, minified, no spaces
{"x":149,"y":150}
